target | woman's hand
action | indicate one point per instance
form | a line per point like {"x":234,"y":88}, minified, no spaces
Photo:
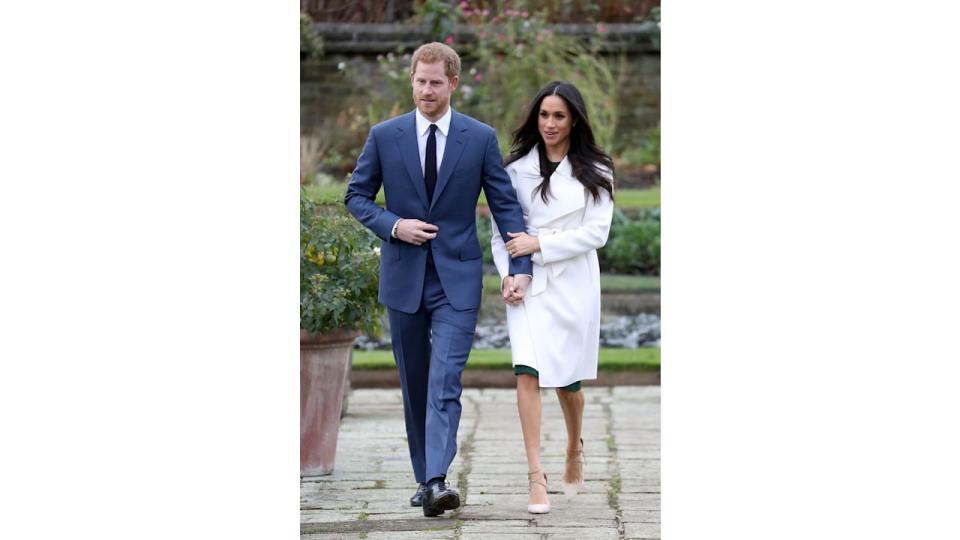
{"x":511,"y":296}
{"x":522,"y":244}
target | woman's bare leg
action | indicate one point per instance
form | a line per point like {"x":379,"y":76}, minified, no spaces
{"x":572,"y":404}
{"x":528,"y":405}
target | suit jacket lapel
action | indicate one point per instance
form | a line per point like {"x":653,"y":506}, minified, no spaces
{"x":456,"y":141}
{"x":407,"y":145}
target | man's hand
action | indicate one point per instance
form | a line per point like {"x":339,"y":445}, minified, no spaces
{"x":514,"y":289}
{"x":520,"y":284}
{"x":416,"y":232}
{"x":522,"y":244}
{"x":506,"y":289}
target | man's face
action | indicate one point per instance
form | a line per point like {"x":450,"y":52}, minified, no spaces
{"x":432,"y":89}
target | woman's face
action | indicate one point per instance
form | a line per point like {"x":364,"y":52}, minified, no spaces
{"x":554,"y":121}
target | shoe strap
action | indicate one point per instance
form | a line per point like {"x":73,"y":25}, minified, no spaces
{"x":533,"y":480}
{"x":579,"y":457}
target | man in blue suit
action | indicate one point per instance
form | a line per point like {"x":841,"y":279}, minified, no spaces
{"x":432,"y":163}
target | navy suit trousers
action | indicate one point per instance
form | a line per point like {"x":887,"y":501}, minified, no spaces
{"x":431,"y":348}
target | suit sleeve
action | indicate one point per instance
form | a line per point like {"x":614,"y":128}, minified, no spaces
{"x":591,"y":234}
{"x":362,"y":192}
{"x":506,"y":211}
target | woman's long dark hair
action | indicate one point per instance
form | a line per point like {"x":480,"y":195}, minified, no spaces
{"x":586,"y":158}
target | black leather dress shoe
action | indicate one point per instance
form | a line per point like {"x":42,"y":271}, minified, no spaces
{"x":417,"y":499}
{"x":437,"y":498}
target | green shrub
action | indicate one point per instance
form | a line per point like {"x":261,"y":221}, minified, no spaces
{"x":655,"y":17}
{"x":619,"y":220}
{"x":439,"y":16}
{"x":633,"y":246}
{"x":646,"y":152}
{"x":515,"y":54}
{"x":339,"y":271}
{"x":311,"y":45}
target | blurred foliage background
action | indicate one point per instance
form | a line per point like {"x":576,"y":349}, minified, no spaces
{"x":355,"y":61}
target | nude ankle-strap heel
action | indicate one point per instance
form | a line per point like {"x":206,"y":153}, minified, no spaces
{"x":534,"y":478}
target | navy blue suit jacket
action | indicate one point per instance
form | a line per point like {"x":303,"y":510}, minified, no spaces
{"x":471,"y":161}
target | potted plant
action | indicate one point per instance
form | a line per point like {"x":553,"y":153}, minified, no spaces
{"x":339,"y":267}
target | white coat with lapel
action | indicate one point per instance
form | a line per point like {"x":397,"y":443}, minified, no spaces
{"x":557,"y":328}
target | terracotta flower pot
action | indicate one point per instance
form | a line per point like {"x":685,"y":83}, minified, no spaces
{"x":324,"y":361}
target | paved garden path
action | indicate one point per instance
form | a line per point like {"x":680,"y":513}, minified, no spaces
{"x":367,"y":494}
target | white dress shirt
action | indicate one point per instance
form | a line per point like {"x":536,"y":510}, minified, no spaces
{"x":423,"y":131}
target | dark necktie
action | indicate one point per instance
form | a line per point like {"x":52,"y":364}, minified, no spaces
{"x":430,"y":162}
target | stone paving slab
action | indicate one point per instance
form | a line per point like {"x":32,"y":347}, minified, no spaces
{"x":388,"y":535}
{"x":484,"y":530}
{"x":367,"y":494}
{"x":642,"y":530}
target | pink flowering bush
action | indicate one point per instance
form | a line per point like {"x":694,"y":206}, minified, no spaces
{"x":515,"y":54}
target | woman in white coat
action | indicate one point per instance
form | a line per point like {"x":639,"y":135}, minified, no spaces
{"x":564,"y":182}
